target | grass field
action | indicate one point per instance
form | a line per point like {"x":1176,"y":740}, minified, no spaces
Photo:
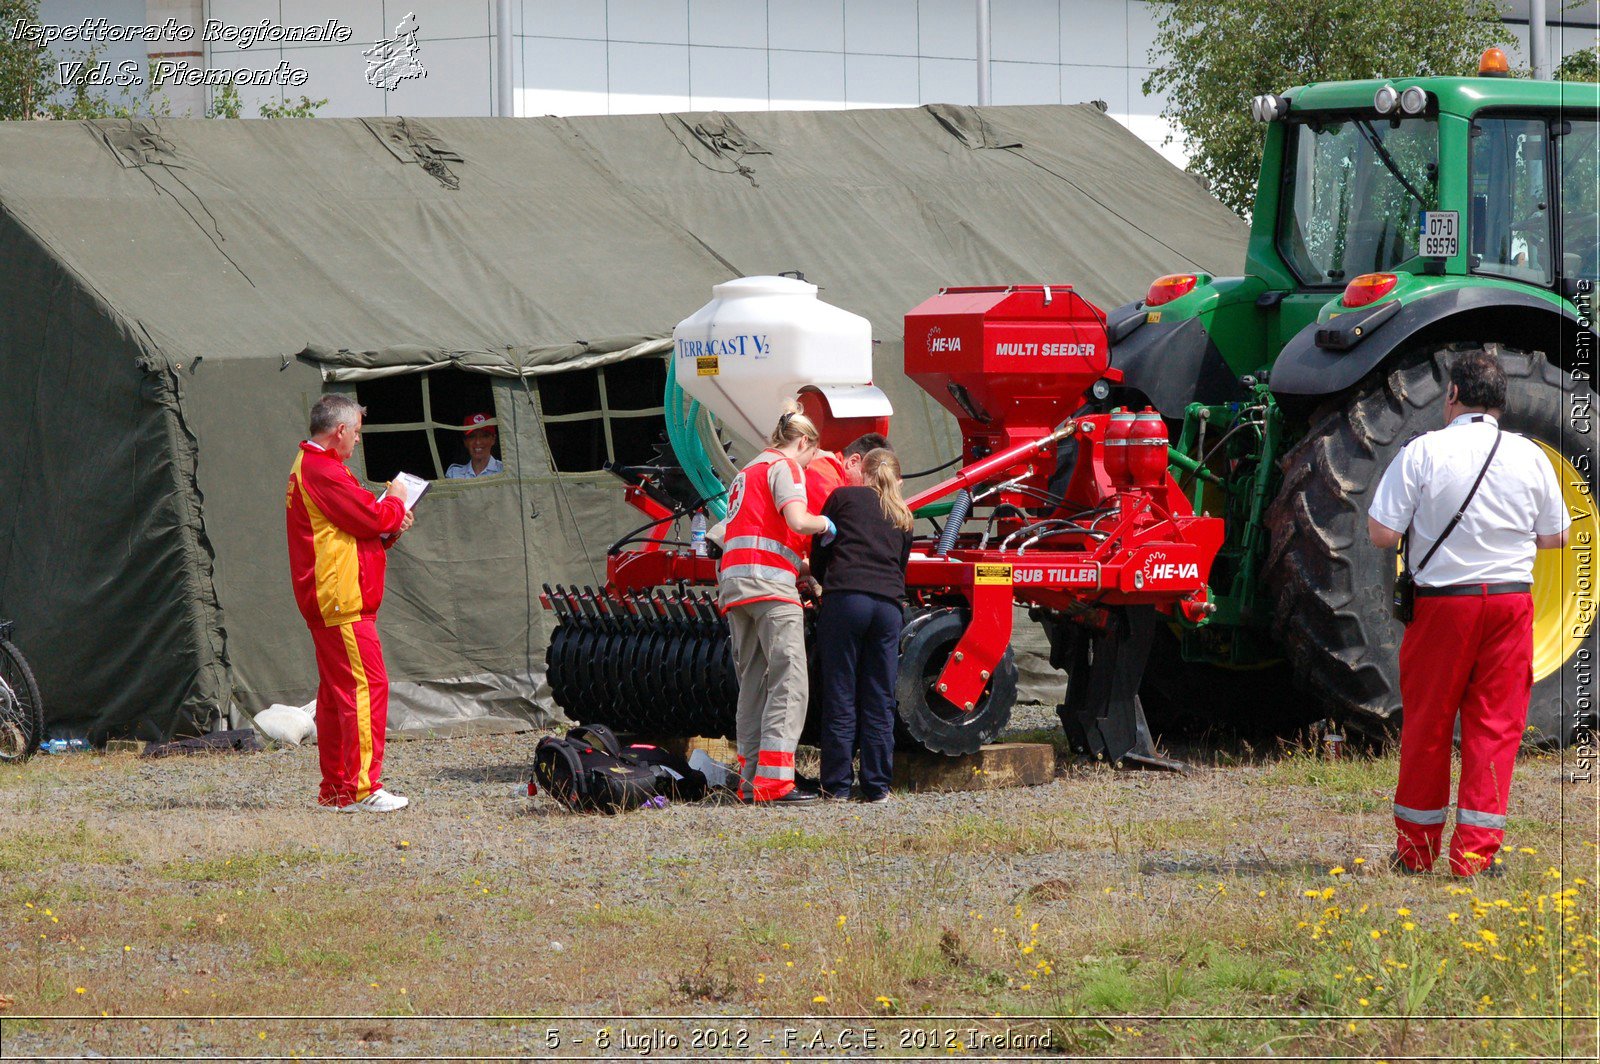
{"x":1240,"y":910}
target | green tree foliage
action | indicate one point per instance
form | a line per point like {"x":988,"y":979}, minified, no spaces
{"x":1580,"y":66}
{"x":25,"y":83}
{"x":1214,"y":55}
{"x":31,"y":86}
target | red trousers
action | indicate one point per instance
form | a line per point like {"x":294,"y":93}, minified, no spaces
{"x":1470,"y":656}
{"x":352,"y":710}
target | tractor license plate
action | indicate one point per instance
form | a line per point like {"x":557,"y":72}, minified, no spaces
{"x":1440,"y":234}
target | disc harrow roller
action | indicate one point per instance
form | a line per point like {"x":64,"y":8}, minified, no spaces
{"x":654,"y":662}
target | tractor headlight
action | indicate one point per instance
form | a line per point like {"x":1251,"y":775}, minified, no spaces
{"x":1385,"y":100}
{"x":1414,"y":100}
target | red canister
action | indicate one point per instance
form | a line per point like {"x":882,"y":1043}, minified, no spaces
{"x":1147,"y":450}
{"x":1116,"y":445}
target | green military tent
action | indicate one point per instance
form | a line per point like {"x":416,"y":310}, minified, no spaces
{"x":175,"y":294}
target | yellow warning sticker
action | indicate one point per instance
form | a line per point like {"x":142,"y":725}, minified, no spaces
{"x":1152,"y":317}
{"x":991,"y":574}
{"x":705,"y":365}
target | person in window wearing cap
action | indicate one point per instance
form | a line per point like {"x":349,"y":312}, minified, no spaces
{"x":480,"y":439}
{"x":1468,"y":650}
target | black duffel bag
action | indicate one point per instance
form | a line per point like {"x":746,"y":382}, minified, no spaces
{"x":586,"y":771}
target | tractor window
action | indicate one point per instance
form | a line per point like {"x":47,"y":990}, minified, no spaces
{"x":1352,"y":195}
{"x":1510,"y":216}
{"x":1580,"y":206}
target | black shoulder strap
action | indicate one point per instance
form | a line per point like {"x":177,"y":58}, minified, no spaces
{"x":1456,"y":520}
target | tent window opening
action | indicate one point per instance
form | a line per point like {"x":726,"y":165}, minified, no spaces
{"x":612,"y":413}
{"x":415,"y":421}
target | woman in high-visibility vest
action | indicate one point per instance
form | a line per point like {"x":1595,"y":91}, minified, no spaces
{"x":766,"y":533}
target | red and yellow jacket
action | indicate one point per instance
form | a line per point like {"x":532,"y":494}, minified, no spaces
{"x":335,"y":556}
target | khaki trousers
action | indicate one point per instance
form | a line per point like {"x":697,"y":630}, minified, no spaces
{"x":769,"y":654}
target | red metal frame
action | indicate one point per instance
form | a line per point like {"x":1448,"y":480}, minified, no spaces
{"x":1010,"y":363}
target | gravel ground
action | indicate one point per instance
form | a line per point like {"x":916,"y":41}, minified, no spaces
{"x":209,"y":886}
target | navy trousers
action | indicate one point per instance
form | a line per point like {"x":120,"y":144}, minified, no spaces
{"x":858,"y":659}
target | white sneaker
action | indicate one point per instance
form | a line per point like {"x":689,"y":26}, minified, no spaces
{"x":379,"y":801}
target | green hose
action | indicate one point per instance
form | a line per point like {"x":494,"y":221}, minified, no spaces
{"x":686,"y":445}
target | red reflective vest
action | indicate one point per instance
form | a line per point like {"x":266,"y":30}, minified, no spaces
{"x":758,"y":543}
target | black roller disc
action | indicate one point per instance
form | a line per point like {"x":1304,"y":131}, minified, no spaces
{"x":934,"y":721}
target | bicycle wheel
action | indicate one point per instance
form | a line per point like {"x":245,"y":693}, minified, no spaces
{"x":21,"y":709}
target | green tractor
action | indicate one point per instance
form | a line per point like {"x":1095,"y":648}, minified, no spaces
{"x":1396,"y":224}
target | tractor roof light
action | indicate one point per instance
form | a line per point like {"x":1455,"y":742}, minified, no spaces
{"x":1368,"y":288}
{"x":1386,"y":99}
{"x":1414,"y":100}
{"x":1166,"y":289}
{"x":1269,"y":108}
{"x":1494,"y":64}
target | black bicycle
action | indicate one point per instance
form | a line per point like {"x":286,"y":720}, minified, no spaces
{"x":21,"y":709}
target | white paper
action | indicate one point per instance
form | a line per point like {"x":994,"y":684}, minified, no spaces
{"x":415,"y":487}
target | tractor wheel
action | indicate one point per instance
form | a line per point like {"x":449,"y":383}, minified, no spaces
{"x":934,"y":721}
{"x":1332,"y":588}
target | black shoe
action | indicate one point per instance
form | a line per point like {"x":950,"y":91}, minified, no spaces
{"x":875,"y":799}
{"x":1398,"y":865}
{"x":793,"y":796}
{"x":835,"y":796}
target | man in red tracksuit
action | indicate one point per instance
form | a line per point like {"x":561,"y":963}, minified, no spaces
{"x":1468,"y":651}
{"x":338,"y":534}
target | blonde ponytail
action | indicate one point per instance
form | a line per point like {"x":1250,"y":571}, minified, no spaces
{"x":792,"y":426}
{"x":880,"y":471}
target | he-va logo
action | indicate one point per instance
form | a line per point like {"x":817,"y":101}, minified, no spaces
{"x":395,"y":60}
{"x":937,"y":341}
{"x":1156,"y":567}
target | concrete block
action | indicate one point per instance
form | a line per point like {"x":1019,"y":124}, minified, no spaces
{"x":995,"y":766}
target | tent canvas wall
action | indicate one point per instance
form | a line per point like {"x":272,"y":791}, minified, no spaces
{"x":176,"y":294}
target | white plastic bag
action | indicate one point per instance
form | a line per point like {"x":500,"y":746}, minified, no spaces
{"x":293,"y":725}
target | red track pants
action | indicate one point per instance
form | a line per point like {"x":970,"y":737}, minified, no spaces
{"x":1471,"y":655}
{"x":352,"y":710}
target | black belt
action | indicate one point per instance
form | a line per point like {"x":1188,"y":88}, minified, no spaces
{"x":1453,"y":590}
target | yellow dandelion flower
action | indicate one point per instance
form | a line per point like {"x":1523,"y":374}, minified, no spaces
{"x":80,"y":990}
{"x":1363,"y":1001}
{"x":1359,"y":860}
{"x":1336,"y":870}
{"x":1402,"y":912}
{"x":1408,"y":926}
{"x":1375,"y":934}
{"x":820,"y":999}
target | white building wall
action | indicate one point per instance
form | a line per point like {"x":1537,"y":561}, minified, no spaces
{"x":576,"y":57}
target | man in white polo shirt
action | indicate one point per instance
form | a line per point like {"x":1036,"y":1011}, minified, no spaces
{"x":1469,"y":649}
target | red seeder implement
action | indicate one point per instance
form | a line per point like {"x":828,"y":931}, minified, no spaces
{"x":1062,"y":506}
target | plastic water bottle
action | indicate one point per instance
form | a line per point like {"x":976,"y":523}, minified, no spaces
{"x":697,"y":534}
{"x":63,"y":746}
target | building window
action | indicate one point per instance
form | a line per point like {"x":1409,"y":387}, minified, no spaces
{"x":611,"y":413}
{"x":414,"y":421}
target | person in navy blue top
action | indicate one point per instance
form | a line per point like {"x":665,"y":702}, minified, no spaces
{"x":862,"y":569}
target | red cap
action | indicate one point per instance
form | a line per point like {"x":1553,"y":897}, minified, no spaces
{"x":474,"y":423}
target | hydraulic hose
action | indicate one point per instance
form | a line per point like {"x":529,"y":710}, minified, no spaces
{"x":952,"y":526}
{"x":686,"y":445}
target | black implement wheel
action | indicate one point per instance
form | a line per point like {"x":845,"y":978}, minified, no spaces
{"x":1332,"y":588}
{"x":933,"y":720}
{"x":21,"y":708}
